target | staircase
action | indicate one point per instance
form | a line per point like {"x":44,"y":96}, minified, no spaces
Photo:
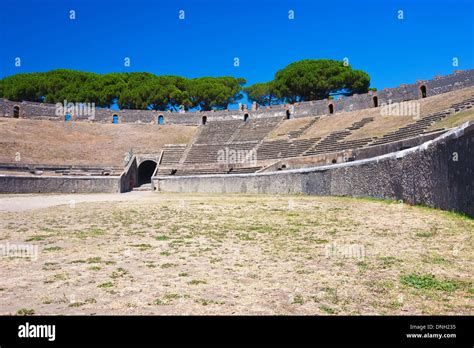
{"x":297,"y":133}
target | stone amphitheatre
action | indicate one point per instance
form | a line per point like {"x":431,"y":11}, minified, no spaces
{"x":345,"y":206}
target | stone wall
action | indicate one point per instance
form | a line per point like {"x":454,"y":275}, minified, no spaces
{"x":439,"y":173}
{"x":129,"y":177}
{"x":58,"y":184}
{"x":441,"y":84}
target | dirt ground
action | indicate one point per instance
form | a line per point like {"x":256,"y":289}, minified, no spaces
{"x":149,"y":253}
{"x":27,"y":141}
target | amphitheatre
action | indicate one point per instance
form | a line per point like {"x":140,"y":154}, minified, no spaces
{"x":189,"y":152}
{"x":244,"y":211}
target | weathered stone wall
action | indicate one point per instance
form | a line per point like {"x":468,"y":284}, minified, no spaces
{"x":439,"y":173}
{"x":58,"y":184}
{"x":27,"y":109}
{"x":443,"y":84}
{"x":129,"y":177}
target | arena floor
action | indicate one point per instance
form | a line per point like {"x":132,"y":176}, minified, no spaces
{"x":149,"y":253}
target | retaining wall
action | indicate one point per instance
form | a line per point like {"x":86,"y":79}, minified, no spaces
{"x":58,"y":184}
{"x":439,"y":173}
{"x":129,"y":177}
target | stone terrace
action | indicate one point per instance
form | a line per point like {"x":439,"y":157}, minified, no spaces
{"x":215,"y":139}
{"x":200,"y":149}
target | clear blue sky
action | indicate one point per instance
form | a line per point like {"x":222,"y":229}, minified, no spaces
{"x":258,"y":32}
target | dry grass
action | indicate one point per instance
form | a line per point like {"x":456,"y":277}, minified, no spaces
{"x":287,"y":126}
{"x":237,"y":254}
{"x":455,"y":120}
{"x":75,"y":143}
{"x":338,"y":122}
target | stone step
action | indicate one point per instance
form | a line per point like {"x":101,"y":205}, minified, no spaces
{"x":144,"y":187}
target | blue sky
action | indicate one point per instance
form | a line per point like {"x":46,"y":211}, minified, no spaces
{"x":258,"y":32}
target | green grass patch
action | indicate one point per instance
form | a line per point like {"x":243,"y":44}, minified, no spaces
{"x":142,"y":246}
{"x":298,"y":299}
{"x":206,"y":302}
{"x":260,"y":228}
{"x":90,"y":233}
{"x":388,"y":261}
{"x":52,"y":248}
{"x":167,"y":265}
{"x":436,"y":259}
{"x":244,"y":236}
{"x":430,"y":282}
{"x":454,"y":120}
{"x":375,"y":199}
{"x":427,"y":234}
{"x":25,"y":311}
{"x":58,"y":276}
{"x":327,"y":309}
{"x":119,"y":273}
{"x":197,"y":282}
{"x":36,"y":238}
{"x":162,"y":237}
{"x":363,"y":266}
{"x":319,"y":241}
{"x":77,"y":261}
{"x":167,"y":299}
{"x":96,"y":259}
{"x":105,"y":285}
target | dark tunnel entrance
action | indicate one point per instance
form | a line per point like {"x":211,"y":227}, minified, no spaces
{"x":423,"y":91}
{"x":376,"y":101}
{"x":331,"y":108}
{"x":145,"y":171}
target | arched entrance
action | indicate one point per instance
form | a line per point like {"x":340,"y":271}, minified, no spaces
{"x":423,"y":91}
{"x":16,"y":111}
{"x":376,"y":101}
{"x":331,"y":108}
{"x":161,"y":120}
{"x":288,"y":114}
{"x":204,"y":120}
{"x":145,"y":171}
{"x":246,"y":117}
{"x":115,"y":119}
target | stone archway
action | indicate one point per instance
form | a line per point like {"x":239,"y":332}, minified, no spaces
{"x":145,"y":171}
{"x":16,"y":111}
{"x":423,"y":91}
{"x":331,"y":108}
